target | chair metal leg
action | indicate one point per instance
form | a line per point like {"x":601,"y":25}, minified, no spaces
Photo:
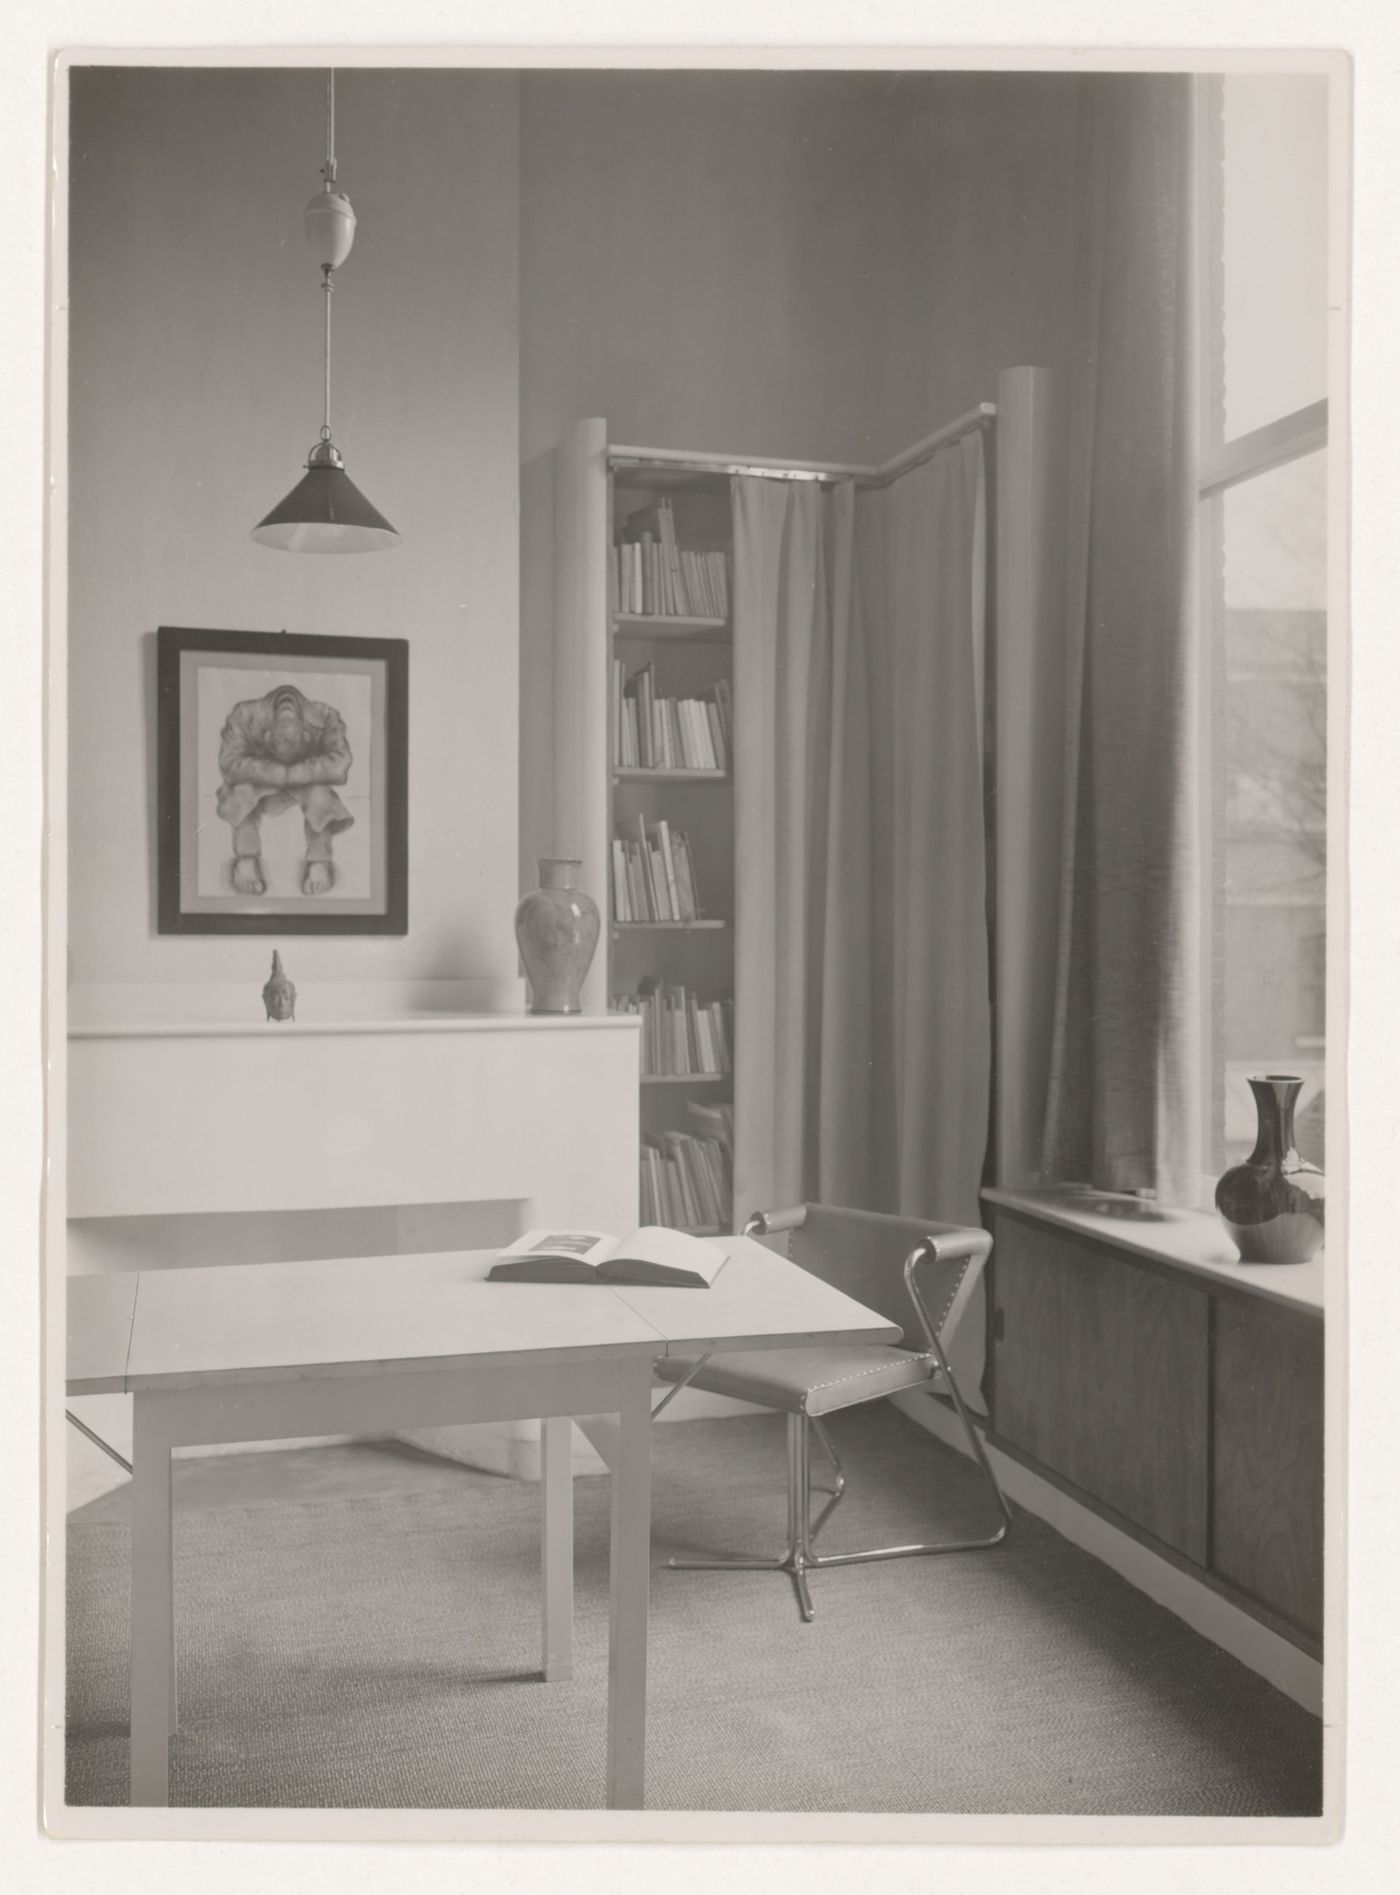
{"x":796,"y":1556}
{"x":800,"y":1510}
{"x":837,"y":1490}
{"x":979,"y":1454}
{"x":794,"y":1483}
{"x":783,"y":1563}
{"x":974,"y":1441}
{"x":729,"y":1565}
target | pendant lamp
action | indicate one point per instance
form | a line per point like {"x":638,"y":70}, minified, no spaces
{"x":326,"y":512}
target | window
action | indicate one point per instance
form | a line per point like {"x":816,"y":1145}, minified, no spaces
{"x":1263,"y":520}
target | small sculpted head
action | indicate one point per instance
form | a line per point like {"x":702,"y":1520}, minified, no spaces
{"x":279,"y":995}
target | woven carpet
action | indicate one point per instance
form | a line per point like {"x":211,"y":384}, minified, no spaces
{"x":358,"y":1627}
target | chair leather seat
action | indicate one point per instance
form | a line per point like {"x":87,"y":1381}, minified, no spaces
{"x":814,"y":1381}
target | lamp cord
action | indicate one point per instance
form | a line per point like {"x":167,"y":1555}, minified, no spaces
{"x":328,"y":270}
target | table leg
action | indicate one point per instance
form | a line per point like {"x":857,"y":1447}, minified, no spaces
{"x":152,"y":1606}
{"x":557,"y":1545}
{"x":630,"y":1580}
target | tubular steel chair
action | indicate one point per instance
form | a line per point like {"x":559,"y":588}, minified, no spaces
{"x":880,"y":1261}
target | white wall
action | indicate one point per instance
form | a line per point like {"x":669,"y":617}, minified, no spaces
{"x":988,"y":279}
{"x":821,"y":265}
{"x":704,"y":258}
{"x":196,"y":392}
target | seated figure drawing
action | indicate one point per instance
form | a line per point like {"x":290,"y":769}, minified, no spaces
{"x":279,"y":752}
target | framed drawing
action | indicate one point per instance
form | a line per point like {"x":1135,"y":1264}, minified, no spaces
{"x":281,"y":783}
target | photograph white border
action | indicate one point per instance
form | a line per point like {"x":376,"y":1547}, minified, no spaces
{"x":1277,"y":23}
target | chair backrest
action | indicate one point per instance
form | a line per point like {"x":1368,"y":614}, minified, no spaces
{"x":863,"y":1253}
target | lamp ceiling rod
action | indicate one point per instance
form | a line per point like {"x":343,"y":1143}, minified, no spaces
{"x":326,"y":512}
{"x":330,"y":128}
{"x":327,"y":274}
{"x":328,"y":269}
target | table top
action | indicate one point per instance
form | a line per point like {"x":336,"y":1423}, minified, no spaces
{"x":182,"y":1328}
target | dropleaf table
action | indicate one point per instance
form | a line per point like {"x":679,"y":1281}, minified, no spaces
{"x":372,"y":1345}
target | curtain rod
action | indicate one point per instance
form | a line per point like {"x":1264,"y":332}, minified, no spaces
{"x":870,"y":476}
{"x":977,"y":417}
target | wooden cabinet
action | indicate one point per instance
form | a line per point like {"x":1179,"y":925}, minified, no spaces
{"x":1190,"y":1415}
{"x":1101,"y":1376}
{"x":1266,"y":1511}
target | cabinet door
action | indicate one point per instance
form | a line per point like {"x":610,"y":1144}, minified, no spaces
{"x":1101,"y":1375}
{"x":1267,"y":1501}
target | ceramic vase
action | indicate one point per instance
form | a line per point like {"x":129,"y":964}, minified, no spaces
{"x":1272,"y":1204}
{"x":556,"y":926}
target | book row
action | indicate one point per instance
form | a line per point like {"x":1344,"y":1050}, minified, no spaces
{"x":654,"y":875}
{"x":681,"y":1034}
{"x":685,"y":1182}
{"x":667,"y":733}
{"x":650,"y":573}
{"x":714,"y":1121}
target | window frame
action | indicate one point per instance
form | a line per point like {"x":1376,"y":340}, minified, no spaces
{"x":1290,"y":438}
{"x":1221,"y":464}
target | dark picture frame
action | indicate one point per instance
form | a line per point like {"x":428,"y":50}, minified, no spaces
{"x":281,"y":783}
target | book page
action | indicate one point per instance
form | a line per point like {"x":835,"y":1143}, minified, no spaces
{"x":575,"y":1246}
{"x":672,"y":1250}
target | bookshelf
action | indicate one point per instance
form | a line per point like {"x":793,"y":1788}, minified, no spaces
{"x":671,"y":782}
{"x":601,"y":796}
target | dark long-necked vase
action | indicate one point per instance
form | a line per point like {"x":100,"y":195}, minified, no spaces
{"x":1272,"y":1204}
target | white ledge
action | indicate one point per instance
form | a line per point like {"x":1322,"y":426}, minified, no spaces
{"x":305,"y":1029}
{"x":1193,"y":1242}
{"x":156,"y":1010}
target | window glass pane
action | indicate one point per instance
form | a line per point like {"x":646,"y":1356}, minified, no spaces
{"x":1274,"y":246}
{"x":1273,"y":733}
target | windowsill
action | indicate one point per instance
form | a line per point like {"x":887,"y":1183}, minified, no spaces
{"x":1193,"y":1242}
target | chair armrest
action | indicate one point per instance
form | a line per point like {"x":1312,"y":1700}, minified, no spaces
{"x":766,"y":1223}
{"x":950,"y":1244}
{"x":947,"y":1243}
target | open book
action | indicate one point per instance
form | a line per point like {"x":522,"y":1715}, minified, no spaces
{"x":650,"y":1255}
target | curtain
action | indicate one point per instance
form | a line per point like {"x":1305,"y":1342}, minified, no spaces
{"x":862,"y":957}
{"x":1122,"y":1110}
{"x":802,"y":952}
{"x":921,"y":557}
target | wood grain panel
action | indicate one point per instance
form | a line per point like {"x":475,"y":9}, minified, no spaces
{"x":1267,"y":1502}
{"x":1028,"y":1326}
{"x":1101,"y":1373}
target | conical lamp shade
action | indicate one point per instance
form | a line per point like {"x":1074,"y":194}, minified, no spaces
{"x":325,"y":513}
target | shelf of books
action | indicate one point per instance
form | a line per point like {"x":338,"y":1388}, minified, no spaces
{"x":671,"y":823}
